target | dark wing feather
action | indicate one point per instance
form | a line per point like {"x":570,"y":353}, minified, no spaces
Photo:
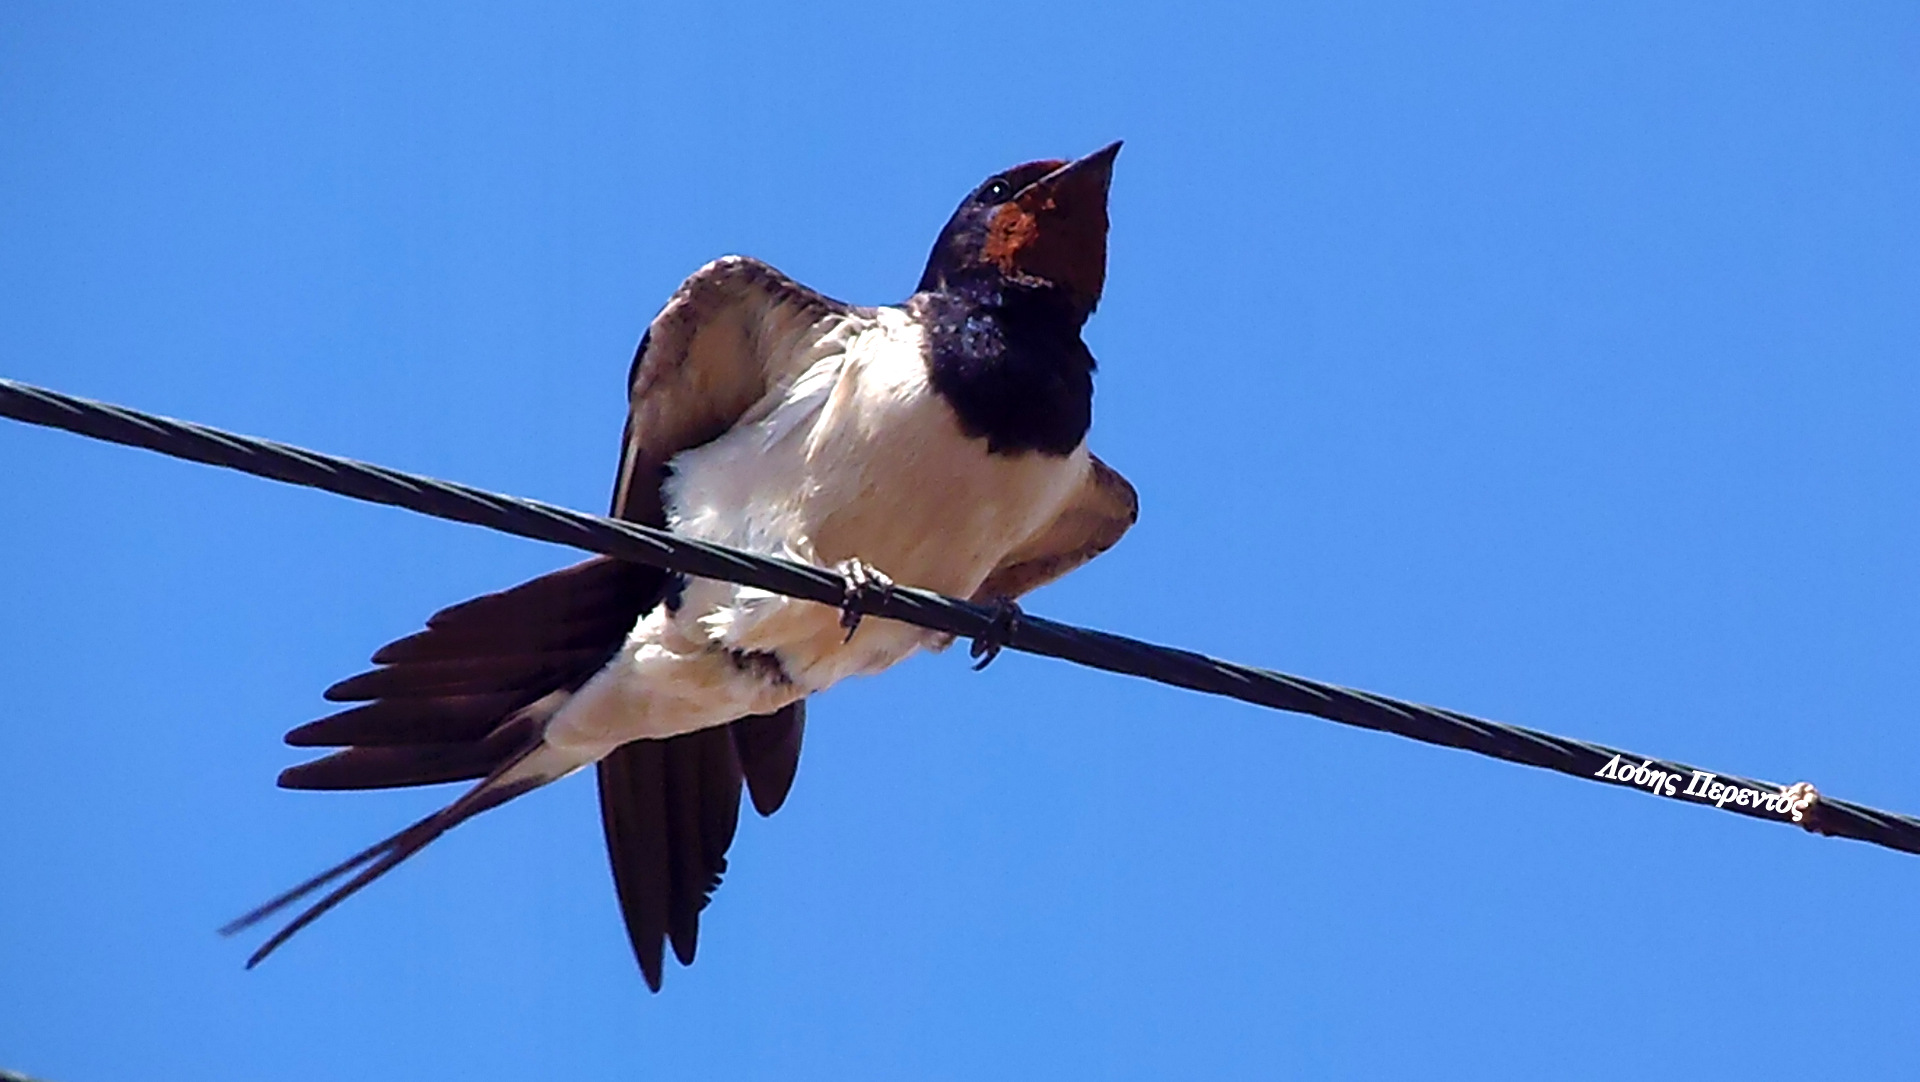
{"x":394,"y":766}
{"x":465,"y":699}
{"x":482,"y":674}
{"x":769,"y":750}
{"x":633,"y":812}
{"x":670,"y":808}
{"x":442,"y":699}
{"x":449,"y":719}
{"x":449,"y":702}
{"x":727,"y":339}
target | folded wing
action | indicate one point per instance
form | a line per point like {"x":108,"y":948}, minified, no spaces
{"x":1099,"y":513}
{"x":451,"y":703}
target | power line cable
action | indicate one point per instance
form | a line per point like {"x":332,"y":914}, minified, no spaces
{"x":988,"y":626}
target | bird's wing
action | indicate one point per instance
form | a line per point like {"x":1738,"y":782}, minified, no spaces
{"x":669,"y":808}
{"x":1093,"y":520}
{"x":438,"y":707}
{"x":732,"y":334}
{"x":735,"y":333}
{"x":449,"y":703}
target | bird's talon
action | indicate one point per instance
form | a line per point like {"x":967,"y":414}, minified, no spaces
{"x":987,"y":647}
{"x":863,"y":583}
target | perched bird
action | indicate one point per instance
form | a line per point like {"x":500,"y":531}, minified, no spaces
{"x":939,"y":443}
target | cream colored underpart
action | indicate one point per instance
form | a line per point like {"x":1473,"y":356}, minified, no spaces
{"x":856,"y":458}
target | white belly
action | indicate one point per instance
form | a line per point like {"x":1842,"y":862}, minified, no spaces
{"x":858,"y":459}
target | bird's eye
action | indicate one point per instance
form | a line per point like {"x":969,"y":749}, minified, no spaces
{"x":996,"y":191}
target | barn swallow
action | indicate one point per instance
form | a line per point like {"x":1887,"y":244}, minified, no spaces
{"x":939,"y":443}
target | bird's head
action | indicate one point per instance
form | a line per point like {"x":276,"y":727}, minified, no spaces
{"x":1042,"y":225}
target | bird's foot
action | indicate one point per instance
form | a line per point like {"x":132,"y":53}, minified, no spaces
{"x":864,"y":583}
{"x":987,"y":647}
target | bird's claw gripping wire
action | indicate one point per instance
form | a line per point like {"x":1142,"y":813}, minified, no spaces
{"x":863,"y":583}
{"x":988,"y":646}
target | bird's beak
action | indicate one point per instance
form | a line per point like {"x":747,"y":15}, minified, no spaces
{"x":1055,"y":229}
{"x":1078,"y":184}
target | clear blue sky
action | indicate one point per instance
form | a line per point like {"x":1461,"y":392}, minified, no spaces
{"x":1548,"y":364}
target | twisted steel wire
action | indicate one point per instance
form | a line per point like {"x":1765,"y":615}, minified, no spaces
{"x":1015,"y":630}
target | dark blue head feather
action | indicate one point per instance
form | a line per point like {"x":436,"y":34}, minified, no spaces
{"x":1013,"y":276}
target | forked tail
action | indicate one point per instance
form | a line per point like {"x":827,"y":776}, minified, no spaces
{"x":522,"y":774}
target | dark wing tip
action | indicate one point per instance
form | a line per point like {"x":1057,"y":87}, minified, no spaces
{"x":397,"y":767}
{"x":769,"y":750}
{"x":342,"y":691}
{"x":447,"y":719}
{"x":685,"y":937}
{"x":670,"y":809}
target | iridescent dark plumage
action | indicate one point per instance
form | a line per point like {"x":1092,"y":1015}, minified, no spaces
{"x":479,"y":694}
{"x":1011,"y":280}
